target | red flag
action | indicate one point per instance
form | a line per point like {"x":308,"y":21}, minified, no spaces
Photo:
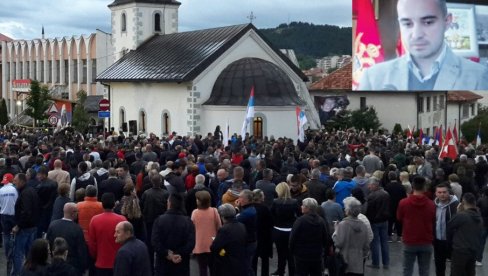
{"x":421,"y":137}
{"x":455,"y":133}
{"x":367,"y":42}
{"x":449,"y":148}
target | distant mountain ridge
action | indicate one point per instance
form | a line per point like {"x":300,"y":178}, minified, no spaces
{"x":311,"y":41}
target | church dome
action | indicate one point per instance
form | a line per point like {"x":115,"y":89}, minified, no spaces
{"x":272,"y":86}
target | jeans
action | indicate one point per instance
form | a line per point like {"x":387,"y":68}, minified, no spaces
{"x":23,"y":243}
{"x":420,"y":252}
{"x":462,"y":264}
{"x":7,"y":222}
{"x":441,"y":253}
{"x":397,"y":225}
{"x":484,"y":235}
{"x":250,"y":251}
{"x":380,"y":240}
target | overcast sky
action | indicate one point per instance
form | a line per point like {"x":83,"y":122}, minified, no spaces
{"x":23,"y":19}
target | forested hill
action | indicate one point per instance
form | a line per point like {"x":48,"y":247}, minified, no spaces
{"x":311,"y":41}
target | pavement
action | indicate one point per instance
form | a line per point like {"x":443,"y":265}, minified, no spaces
{"x":395,"y":268}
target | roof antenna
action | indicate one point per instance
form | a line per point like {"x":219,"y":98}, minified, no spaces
{"x":42,"y":31}
{"x":251,"y":17}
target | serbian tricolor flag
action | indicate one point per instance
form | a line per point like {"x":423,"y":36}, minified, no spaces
{"x":301,"y":121}
{"x":449,"y":148}
{"x":409,"y":133}
{"x":249,"y":114}
{"x":438,"y":136}
{"x":367,"y":43}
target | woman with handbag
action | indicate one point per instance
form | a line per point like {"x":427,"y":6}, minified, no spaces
{"x":351,"y":240}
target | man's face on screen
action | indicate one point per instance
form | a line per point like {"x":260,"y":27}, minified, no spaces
{"x":422,"y":26}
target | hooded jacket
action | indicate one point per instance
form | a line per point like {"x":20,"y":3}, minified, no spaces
{"x":443,"y":214}
{"x":351,"y":238}
{"x":343,"y":189}
{"x":417,"y":214}
{"x":464,"y":230}
{"x":309,"y":237}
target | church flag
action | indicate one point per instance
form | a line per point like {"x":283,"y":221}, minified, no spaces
{"x":249,"y":114}
{"x":226,"y":134}
{"x":449,"y":148}
{"x":302,"y":120}
{"x":421,"y":137}
{"x":367,"y":44}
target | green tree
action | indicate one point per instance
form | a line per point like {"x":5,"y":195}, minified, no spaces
{"x":470,"y":128}
{"x":342,"y":120}
{"x":37,"y":102}
{"x":81,"y":119}
{"x":3,"y":113}
{"x":365,"y":119}
{"x":397,"y":128}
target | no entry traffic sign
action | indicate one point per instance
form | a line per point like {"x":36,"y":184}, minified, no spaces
{"x":104,"y":105}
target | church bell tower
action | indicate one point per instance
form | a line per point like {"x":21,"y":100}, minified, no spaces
{"x":134,"y":21}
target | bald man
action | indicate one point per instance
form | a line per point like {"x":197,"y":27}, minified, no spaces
{"x":132,"y":259}
{"x":73,"y":234}
{"x":58,"y":174}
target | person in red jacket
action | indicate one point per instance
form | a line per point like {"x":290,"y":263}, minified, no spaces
{"x":417,"y":214}
{"x":101,"y":232}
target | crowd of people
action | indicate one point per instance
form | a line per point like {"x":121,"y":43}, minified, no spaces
{"x":145,"y":205}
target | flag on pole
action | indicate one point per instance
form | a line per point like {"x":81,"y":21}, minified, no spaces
{"x":449,"y":148}
{"x":421,"y":137}
{"x":409,"y":133}
{"x":455,"y":133}
{"x":478,"y":136}
{"x":302,"y":120}
{"x":367,"y":44}
{"x":226,"y":134}
{"x":438,"y":136}
{"x":249,"y":114}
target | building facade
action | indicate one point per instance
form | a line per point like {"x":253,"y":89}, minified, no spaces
{"x":66,"y":65}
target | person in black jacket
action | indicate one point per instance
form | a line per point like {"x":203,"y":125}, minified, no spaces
{"x":229,"y":245}
{"x":132,"y":258}
{"x":464,"y":232}
{"x":111,"y":185}
{"x":59,"y":266}
{"x":378,"y":213}
{"x":73,"y":234}
{"x":397,"y":192}
{"x":175,"y":180}
{"x":316,"y":188}
{"x":309,"y":239}
{"x":173,"y":239}
{"x":483,"y":207}
{"x":153,"y":204}
{"x":263,"y":233}
{"x":26,"y":218}
{"x":284,"y":212}
{"x":47,"y":190}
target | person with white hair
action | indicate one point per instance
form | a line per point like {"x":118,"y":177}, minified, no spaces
{"x":309,"y":239}
{"x":351,"y":238}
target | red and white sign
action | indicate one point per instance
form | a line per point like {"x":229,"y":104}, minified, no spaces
{"x":104,"y":105}
{"x":21,"y":86}
{"x":53,"y":120}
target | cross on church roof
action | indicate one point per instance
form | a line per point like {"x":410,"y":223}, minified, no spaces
{"x":251,"y":17}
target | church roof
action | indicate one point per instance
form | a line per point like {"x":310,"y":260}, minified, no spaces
{"x":462,"y":96}
{"x":179,"y":57}
{"x":272,"y":86}
{"x":123,"y":2}
{"x":339,"y":79}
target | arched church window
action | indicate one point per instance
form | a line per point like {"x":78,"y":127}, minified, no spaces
{"x":124,"y":23}
{"x":122,"y":119}
{"x":258,"y":127}
{"x":165,"y":120}
{"x":142,"y":121}
{"x":157,"y":22}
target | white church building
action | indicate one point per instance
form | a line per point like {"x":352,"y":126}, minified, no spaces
{"x":190,"y":82}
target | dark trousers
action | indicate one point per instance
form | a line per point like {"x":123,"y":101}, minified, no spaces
{"x":204,"y":263}
{"x":264,"y":265}
{"x":150,"y":248}
{"x":441,"y":253}
{"x":308,"y":267}
{"x":463,"y":264}
{"x":281,"y":239}
{"x":104,"y":271}
{"x":394,"y":223}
